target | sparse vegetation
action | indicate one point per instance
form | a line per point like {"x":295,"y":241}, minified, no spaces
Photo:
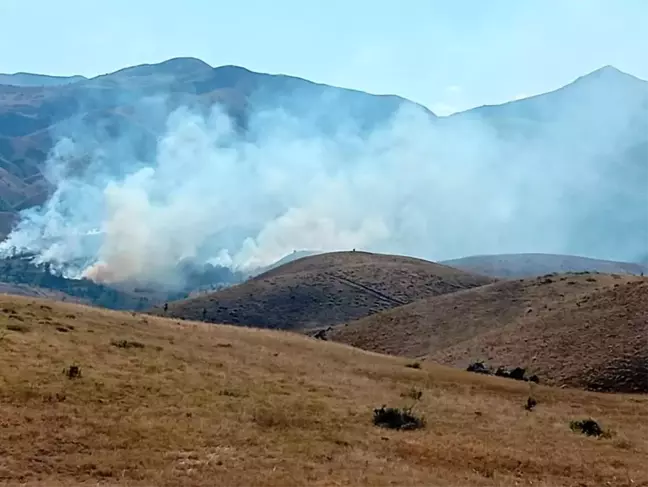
{"x":277,"y":408}
{"x":126,"y":344}
{"x":517,"y":373}
{"x":590,"y":323}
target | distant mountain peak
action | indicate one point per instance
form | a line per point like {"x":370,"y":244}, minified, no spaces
{"x":607,"y":73}
{"x":173,"y":65}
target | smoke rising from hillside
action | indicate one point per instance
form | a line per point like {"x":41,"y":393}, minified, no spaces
{"x":210,"y":193}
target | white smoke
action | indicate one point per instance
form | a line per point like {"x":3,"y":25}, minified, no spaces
{"x":415,"y":186}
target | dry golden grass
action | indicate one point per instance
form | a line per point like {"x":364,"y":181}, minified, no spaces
{"x":217,"y":405}
{"x":587,"y":330}
{"x":325,"y":289}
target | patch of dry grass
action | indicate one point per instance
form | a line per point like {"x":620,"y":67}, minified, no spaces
{"x":216,"y":405}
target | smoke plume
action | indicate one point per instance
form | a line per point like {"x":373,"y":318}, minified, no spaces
{"x":209,"y":192}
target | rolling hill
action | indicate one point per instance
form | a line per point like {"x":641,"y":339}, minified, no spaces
{"x":325,"y":289}
{"x":585,"y":330}
{"x":164,"y":403}
{"x":532,"y":265}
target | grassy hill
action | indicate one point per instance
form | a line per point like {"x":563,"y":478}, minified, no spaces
{"x":532,"y":265}
{"x":325,"y":289}
{"x":585,"y":330}
{"x":166,"y":403}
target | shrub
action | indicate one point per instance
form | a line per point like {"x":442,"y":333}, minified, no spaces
{"x":73,"y":372}
{"x":530,"y":404}
{"x":478,"y":368}
{"x":399,"y":419}
{"x":126,"y":344}
{"x":587,"y":427}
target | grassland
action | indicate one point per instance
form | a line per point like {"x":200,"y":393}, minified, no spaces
{"x":161,"y":402}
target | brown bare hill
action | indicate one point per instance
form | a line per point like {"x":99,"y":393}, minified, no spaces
{"x":599,"y":342}
{"x":532,"y":265}
{"x":165,"y":403}
{"x":325,"y":289}
{"x":584,"y":330}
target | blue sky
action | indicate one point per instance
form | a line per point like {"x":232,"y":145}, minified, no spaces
{"x":449,"y":55}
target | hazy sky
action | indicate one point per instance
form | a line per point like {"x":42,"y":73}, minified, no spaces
{"x":448,"y":55}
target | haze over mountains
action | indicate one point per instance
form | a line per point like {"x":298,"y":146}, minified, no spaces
{"x":131,"y":175}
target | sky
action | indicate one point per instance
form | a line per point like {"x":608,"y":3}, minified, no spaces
{"x":447,"y":55}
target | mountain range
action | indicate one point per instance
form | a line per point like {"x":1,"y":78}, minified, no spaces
{"x":35,"y":110}
{"x":599,"y":119}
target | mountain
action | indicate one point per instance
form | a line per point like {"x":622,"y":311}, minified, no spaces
{"x":323,"y":290}
{"x":585,"y":330}
{"x":531,"y":265}
{"x":33,"y":116}
{"x":164,"y":403}
{"x":583,"y":149}
{"x":39,"y":80}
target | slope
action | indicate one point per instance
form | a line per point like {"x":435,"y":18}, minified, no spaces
{"x":325,"y":289}
{"x":540,"y":323}
{"x":599,"y":342}
{"x":532,"y":265}
{"x":164,"y":403}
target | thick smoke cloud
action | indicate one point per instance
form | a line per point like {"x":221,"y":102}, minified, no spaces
{"x":209,"y":193}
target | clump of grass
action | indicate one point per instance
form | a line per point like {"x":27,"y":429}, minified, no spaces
{"x":73,"y":372}
{"x":126,"y":344}
{"x":414,"y":365}
{"x":396,"y":418}
{"x":530,"y":404}
{"x":400,"y":418}
{"x":587,"y":427}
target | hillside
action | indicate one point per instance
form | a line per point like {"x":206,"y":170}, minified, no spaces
{"x":28,"y":79}
{"x":532,"y":265}
{"x":165,"y":403}
{"x":599,"y":342}
{"x":325,"y":289}
{"x":578,"y":330}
